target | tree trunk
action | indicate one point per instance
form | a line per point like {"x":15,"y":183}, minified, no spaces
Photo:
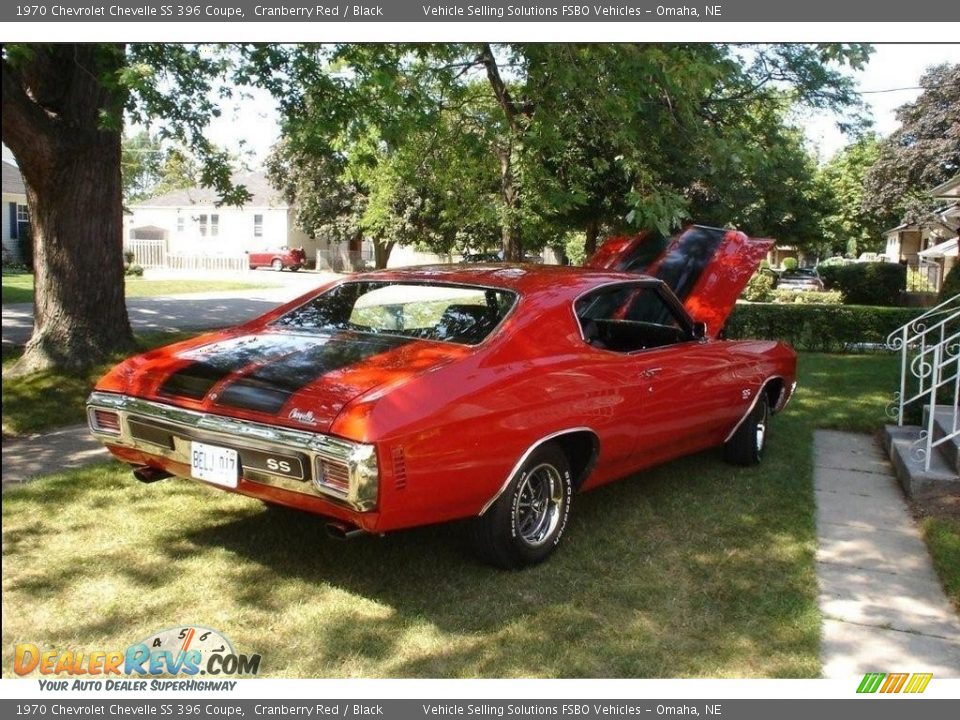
{"x":381,"y":252}
{"x":510,"y":227}
{"x":592,"y":231}
{"x":53,"y":108}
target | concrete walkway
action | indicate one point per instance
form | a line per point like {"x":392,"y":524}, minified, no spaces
{"x":194,"y":311}
{"x":884,"y":609}
{"x":38,"y":455}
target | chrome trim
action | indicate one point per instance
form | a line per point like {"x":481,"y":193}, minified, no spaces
{"x":360,"y":459}
{"x":756,"y":399}
{"x":527,"y":454}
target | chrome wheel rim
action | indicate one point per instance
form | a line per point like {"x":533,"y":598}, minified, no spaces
{"x":761,"y":432}
{"x":537,"y":510}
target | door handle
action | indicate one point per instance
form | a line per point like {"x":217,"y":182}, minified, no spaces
{"x":650,"y":372}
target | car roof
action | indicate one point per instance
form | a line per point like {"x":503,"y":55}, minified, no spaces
{"x":524,"y":278}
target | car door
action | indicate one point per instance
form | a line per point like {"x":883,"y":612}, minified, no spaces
{"x":675,"y":387}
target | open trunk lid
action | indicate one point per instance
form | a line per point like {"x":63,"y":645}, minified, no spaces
{"x":706,"y":268}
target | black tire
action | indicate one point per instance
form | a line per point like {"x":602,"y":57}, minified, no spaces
{"x":525,"y":524}
{"x":748,"y":442}
{"x":277,"y":264}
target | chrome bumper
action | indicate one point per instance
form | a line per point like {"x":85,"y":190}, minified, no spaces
{"x":335,"y":469}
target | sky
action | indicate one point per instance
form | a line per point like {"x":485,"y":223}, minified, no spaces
{"x":249,"y":125}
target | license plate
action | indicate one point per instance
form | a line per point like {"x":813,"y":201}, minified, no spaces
{"x":214,"y":464}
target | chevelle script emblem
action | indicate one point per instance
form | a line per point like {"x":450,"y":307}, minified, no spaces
{"x":306,"y":418}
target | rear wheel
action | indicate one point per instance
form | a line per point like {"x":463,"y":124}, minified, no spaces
{"x":747,"y":444}
{"x":527,"y":521}
{"x":277,"y":264}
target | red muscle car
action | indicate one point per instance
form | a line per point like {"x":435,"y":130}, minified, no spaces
{"x":290,"y":258}
{"x":494,"y":392}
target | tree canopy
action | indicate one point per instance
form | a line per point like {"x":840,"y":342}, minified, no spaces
{"x":922,"y":153}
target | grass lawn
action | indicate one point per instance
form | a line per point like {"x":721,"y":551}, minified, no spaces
{"x":18,"y":288}
{"x":695,"y":569}
{"x":45,"y":400}
{"x":942,"y":533}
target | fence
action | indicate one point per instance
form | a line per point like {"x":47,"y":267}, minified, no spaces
{"x":147,"y":253}
{"x":231,"y":263}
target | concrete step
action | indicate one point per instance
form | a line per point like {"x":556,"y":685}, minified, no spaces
{"x":943,"y":423}
{"x":939,"y":481}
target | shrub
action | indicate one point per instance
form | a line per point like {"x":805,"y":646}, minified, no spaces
{"x":789,"y":263}
{"x":951,"y":283}
{"x":875,"y":283}
{"x":129,"y":256}
{"x":821,"y":328}
{"x":759,"y":288}
{"x":135,"y":270}
{"x":806,"y":297}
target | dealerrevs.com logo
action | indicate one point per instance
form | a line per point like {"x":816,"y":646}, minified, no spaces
{"x":189,"y":650}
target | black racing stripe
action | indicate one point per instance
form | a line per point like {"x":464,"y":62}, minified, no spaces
{"x":268,"y":388}
{"x":685,"y":263}
{"x":644,"y":253}
{"x":213,"y":363}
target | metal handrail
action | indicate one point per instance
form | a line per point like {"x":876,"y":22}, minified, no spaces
{"x":935,"y":365}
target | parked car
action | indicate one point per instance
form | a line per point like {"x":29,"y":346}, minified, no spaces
{"x":492,"y":393}
{"x":800,"y":279}
{"x":282,"y":258}
{"x":481,"y":257}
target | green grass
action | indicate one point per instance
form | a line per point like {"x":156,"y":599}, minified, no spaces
{"x":694,"y":569}
{"x":46,"y":400}
{"x":19,"y":288}
{"x":942,"y":534}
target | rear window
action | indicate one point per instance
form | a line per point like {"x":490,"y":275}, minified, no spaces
{"x":460,"y":314}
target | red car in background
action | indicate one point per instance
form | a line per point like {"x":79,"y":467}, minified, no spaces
{"x":280,"y":259}
{"x":492,"y":393}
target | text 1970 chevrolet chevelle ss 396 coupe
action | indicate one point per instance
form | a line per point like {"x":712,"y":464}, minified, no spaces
{"x":398,"y":398}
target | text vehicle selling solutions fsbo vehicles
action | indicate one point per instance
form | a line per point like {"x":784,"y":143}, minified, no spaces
{"x":397,"y":398}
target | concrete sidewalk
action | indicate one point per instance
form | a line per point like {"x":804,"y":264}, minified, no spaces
{"x":38,"y":455}
{"x":884,"y":608}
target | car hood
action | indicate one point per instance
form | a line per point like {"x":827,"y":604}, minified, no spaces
{"x":298,"y":380}
{"x":707,"y":268}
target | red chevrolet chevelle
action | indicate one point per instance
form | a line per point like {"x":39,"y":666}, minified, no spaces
{"x":496,"y":392}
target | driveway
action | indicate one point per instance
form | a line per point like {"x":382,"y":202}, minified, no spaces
{"x":196,"y":311}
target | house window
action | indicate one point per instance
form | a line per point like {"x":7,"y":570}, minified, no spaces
{"x":181,"y":223}
{"x":214,"y":225}
{"x":258,"y":225}
{"x":23,"y":214}
{"x":202,"y":224}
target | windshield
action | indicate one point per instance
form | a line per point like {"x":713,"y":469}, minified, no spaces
{"x":449,"y":313}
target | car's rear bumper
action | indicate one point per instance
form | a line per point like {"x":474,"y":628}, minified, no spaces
{"x":326,"y":475}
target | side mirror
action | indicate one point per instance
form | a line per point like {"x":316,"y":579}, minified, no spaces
{"x":699,"y":330}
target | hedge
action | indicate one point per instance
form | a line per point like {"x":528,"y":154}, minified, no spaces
{"x":821,"y":328}
{"x":874,"y":283}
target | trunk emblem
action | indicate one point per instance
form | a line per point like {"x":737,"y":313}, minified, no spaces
{"x":300,"y":416}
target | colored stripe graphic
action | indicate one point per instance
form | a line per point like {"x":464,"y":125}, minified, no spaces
{"x":918,"y":683}
{"x":894,"y":682}
{"x":870,"y":682}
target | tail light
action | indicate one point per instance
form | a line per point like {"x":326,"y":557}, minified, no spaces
{"x":104,"y":421}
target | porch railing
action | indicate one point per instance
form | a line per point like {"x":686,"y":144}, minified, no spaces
{"x":929,"y":348}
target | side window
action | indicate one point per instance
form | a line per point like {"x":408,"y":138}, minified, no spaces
{"x":628,"y":318}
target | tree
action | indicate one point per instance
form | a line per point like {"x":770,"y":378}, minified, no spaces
{"x":140,"y":159}
{"x":591,"y":134}
{"x":63,"y":112}
{"x":922,"y":153}
{"x":847,"y":226}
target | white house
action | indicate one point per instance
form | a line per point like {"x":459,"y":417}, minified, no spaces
{"x":189,"y":223}
{"x":16,"y":220}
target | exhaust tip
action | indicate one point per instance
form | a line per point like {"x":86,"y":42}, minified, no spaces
{"x":342,"y":531}
{"x":148,"y":474}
